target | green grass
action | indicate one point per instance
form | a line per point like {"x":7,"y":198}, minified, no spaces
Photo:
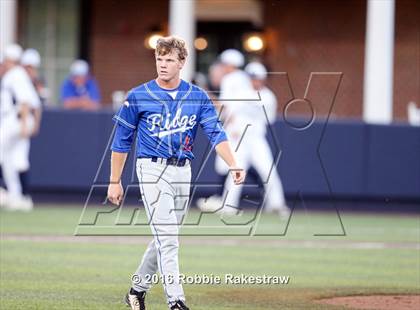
{"x":377,"y":256}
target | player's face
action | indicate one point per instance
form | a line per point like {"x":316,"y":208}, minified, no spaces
{"x":257,"y":84}
{"x":32,"y":72}
{"x":168,"y":66}
{"x":79,"y":80}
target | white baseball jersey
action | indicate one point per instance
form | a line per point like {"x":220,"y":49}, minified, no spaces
{"x":17,"y":88}
{"x":263,"y":112}
{"x":235,"y":85}
{"x":235,"y":92}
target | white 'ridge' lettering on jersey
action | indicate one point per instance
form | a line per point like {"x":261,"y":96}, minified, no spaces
{"x":177,"y":124}
{"x":169,"y":132}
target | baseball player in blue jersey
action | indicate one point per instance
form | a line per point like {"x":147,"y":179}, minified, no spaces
{"x":164,"y":114}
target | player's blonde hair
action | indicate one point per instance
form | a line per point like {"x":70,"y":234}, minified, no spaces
{"x":166,"y":45}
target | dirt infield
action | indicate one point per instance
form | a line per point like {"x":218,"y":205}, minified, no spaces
{"x":377,"y":302}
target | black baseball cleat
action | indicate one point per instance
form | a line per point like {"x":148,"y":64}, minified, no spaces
{"x":179,"y":305}
{"x":135,"y":300}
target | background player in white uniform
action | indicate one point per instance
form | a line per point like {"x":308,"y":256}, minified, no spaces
{"x":235,"y":90}
{"x":17,"y":125}
{"x":165,"y":113}
{"x":253,"y":150}
{"x":31,"y":61}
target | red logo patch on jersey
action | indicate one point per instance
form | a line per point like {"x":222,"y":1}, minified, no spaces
{"x":187,"y":146}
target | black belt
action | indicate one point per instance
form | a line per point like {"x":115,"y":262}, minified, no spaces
{"x":173,"y":161}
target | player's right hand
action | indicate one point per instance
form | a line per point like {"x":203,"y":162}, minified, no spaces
{"x":115,"y":193}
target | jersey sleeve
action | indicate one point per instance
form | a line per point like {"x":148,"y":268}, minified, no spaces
{"x":210,"y":123}
{"x":123,"y":139}
{"x":126,"y":124}
{"x":128,"y":115}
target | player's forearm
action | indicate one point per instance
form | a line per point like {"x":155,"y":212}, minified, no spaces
{"x":72,"y":103}
{"x":37,"y":117}
{"x":224,"y":150}
{"x":79,"y":103}
{"x":117,"y":166}
{"x":23,"y":117}
{"x":89,"y":104}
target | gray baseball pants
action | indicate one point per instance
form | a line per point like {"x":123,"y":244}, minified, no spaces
{"x":165,"y":191}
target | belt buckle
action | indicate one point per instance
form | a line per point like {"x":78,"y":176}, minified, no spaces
{"x":172,"y":161}
{"x":176,"y":162}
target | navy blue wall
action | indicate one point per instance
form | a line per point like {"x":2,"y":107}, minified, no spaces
{"x":348,"y":159}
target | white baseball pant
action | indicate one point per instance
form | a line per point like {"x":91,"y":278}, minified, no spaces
{"x":14,"y":152}
{"x":255,"y":151}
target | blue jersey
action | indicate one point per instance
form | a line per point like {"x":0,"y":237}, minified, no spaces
{"x":70,"y":90}
{"x":165,"y":126}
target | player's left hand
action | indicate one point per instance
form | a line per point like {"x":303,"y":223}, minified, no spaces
{"x":238,"y":175}
{"x":35,"y":131}
{"x":24,"y":132}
